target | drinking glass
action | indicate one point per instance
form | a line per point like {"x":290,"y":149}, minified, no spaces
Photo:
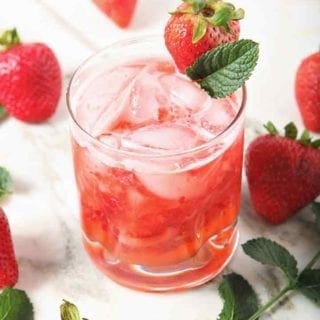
{"x":154,"y":219}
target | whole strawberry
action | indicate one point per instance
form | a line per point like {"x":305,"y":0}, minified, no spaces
{"x":308,"y":91}
{"x":30,"y":79}
{"x":8,"y":265}
{"x":283,"y":173}
{"x":199,"y":26}
{"x":120,"y":11}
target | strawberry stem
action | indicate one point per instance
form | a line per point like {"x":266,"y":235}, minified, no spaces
{"x":9,"y":38}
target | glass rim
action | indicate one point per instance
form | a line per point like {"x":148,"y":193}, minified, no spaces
{"x":130,"y":41}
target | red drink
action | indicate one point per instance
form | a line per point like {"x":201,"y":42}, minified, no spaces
{"x":158,"y":166}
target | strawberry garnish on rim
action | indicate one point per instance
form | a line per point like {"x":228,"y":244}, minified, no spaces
{"x":198,"y":26}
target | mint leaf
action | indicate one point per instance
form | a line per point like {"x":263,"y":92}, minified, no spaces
{"x":271,"y":253}
{"x":316,"y":210}
{"x":224,"y":69}
{"x":15,"y":305}
{"x":240,"y":300}
{"x":5,"y":183}
{"x":291,"y":131}
{"x":309,"y":284}
{"x":69,"y":311}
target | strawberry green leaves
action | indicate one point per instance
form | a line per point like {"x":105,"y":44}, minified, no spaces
{"x":69,"y":311}
{"x":197,"y":5}
{"x":199,"y":30}
{"x":225,"y":69}
{"x":291,"y":132}
{"x":9,"y":38}
{"x":3,"y":112}
{"x":210,"y":13}
{"x":5,"y":183}
{"x":271,"y":128}
{"x":240,"y":300}
{"x":15,"y":305}
{"x":223,"y":13}
{"x":271,"y":253}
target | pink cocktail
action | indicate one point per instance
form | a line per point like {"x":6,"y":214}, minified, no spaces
{"x":158,"y":167}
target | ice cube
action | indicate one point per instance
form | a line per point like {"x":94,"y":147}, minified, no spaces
{"x":145,"y":99}
{"x":189,"y":184}
{"x":183,"y":92}
{"x":217,"y":116}
{"x":162,"y":137}
{"x":97,"y":95}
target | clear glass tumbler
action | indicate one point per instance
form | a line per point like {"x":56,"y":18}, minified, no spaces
{"x":158,"y":167}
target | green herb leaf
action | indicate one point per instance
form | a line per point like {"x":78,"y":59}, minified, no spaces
{"x":316,"y":210}
{"x":271,"y":253}
{"x":69,"y":311}
{"x":271,"y":128}
{"x":305,"y":138}
{"x":5,"y":183}
{"x":224,"y":69}
{"x":15,"y":305}
{"x":199,"y":30}
{"x":309,"y":284}
{"x":291,"y":131}
{"x":240,"y":300}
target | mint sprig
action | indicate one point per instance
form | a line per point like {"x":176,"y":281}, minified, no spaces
{"x":5,"y":183}
{"x":236,"y":290}
{"x":241,"y":301}
{"x":225,"y":69}
{"x":15,"y":305}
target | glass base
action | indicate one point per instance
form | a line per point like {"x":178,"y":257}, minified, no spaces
{"x":209,"y":261}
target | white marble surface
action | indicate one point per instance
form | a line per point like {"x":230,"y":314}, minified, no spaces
{"x":43,"y":209}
